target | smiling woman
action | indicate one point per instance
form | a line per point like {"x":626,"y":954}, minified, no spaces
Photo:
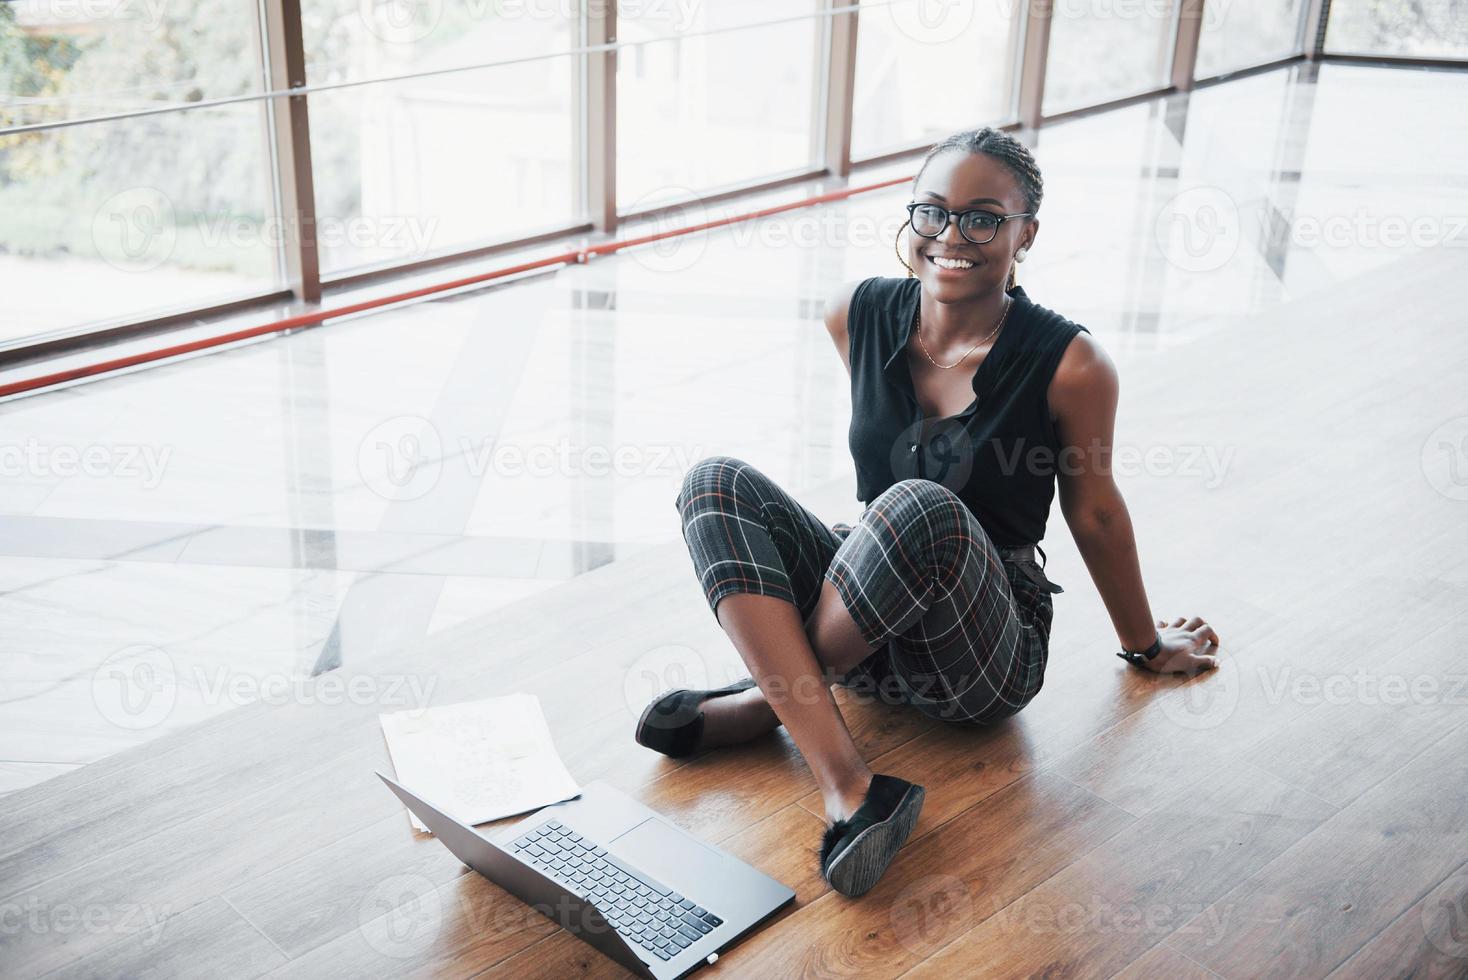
{"x":934,"y":596}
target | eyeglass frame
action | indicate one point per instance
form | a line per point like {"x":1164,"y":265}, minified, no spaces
{"x":950,"y":217}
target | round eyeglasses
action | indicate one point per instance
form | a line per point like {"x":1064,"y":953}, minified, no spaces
{"x":977,"y":225}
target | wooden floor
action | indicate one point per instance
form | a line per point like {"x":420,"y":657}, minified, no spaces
{"x":1302,"y":812}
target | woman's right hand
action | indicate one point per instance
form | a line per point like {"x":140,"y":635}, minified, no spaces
{"x":1188,"y":647}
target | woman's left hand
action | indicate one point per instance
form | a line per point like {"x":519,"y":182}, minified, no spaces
{"x":1188,"y":647}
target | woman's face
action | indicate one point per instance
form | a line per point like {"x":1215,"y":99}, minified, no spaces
{"x":959,"y":180}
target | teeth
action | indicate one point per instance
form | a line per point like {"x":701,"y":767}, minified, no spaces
{"x":944,"y":262}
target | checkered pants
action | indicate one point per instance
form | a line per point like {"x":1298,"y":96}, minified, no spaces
{"x":958,"y":632}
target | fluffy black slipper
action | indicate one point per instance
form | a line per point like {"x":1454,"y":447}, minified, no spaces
{"x":855,"y":851}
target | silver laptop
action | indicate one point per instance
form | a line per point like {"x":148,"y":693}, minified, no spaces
{"x":651,"y":896}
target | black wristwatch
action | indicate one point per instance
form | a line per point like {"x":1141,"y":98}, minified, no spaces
{"x":1142,"y":657}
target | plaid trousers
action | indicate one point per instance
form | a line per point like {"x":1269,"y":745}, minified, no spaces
{"x":957,"y":631}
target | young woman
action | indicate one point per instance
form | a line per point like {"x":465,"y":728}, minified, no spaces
{"x":970,"y":403}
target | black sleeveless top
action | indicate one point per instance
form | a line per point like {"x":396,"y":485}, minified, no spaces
{"x":999,"y":454}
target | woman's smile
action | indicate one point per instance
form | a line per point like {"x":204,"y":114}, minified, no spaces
{"x":951,"y":265}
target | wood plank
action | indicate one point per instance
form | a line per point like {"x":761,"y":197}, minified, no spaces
{"x":1325,"y":898}
{"x":1429,"y":941}
{"x":210,"y":939}
{"x":938,"y":887}
{"x":1110,"y":907}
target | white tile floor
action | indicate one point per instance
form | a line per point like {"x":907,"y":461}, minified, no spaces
{"x":349,"y":490}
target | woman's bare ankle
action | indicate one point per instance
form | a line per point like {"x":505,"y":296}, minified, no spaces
{"x":844,"y":800}
{"x":736,"y":718}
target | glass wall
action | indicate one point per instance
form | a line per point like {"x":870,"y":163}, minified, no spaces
{"x":703,"y":106}
{"x":925,"y":70}
{"x":148,"y":214}
{"x":1107,"y":49}
{"x":1401,"y":28}
{"x":1243,"y":33}
{"x":416,"y":152}
{"x":441,"y":163}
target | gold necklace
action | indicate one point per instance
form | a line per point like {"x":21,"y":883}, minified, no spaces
{"x":917,"y":320}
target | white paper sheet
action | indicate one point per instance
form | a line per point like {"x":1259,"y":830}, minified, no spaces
{"x":479,"y":760}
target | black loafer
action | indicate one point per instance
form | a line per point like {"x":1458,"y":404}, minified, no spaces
{"x":672,"y":723}
{"x":855,"y":851}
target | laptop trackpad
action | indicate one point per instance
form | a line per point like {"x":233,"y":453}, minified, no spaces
{"x":669,"y":855}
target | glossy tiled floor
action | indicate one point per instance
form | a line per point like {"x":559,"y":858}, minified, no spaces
{"x":217,"y":527}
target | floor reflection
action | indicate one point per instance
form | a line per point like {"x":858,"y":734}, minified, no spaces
{"x":348,"y":491}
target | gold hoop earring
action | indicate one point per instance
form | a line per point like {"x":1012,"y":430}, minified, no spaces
{"x":897,"y":248}
{"x":1012,"y":283}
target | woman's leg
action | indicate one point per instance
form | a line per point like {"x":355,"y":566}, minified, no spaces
{"x":762,"y":559}
{"x":919,"y":571}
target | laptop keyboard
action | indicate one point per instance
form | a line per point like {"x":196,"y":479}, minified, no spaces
{"x":644,"y":912}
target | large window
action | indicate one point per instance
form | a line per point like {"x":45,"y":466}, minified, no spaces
{"x":926,"y":69}
{"x":721,"y":106}
{"x":1107,"y":49}
{"x":440,"y":163}
{"x":1242,"y":33}
{"x":1404,"y":28}
{"x":123,"y":219}
{"x":436,"y":128}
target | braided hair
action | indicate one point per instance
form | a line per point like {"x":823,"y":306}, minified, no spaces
{"x":1002,"y":147}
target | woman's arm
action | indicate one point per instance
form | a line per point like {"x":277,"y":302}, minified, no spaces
{"x":1083,"y":397}
{"x":837,"y":306}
